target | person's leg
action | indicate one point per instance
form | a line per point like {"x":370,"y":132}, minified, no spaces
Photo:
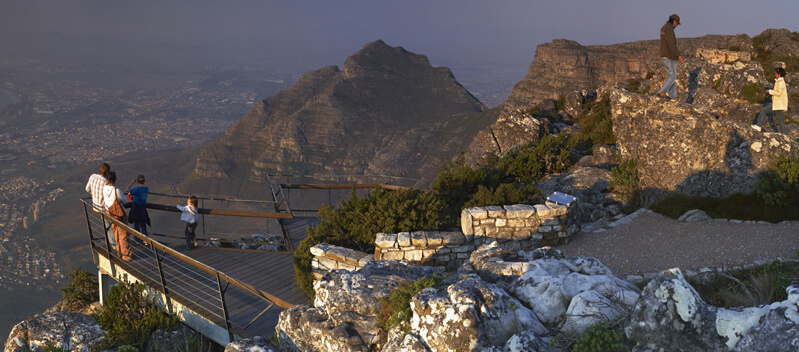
{"x":190,"y":235}
{"x":670,"y":86}
{"x":779,"y":121}
{"x":761,"y":118}
{"x":122,"y":243}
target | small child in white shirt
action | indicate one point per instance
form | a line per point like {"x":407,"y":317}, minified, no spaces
{"x":190,"y":216}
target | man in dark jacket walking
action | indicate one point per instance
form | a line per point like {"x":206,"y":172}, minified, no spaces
{"x":670,"y":55}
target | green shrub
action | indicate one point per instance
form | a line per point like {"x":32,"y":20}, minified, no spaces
{"x":49,"y":347}
{"x":624,"y":180}
{"x":396,"y":308}
{"x":504,"y":194}
{"x":530,"y":162}
{"x":127,"y":348}
{"x":596,"y":121}
{"x":129,"y":318}
{"x":753,"y":92}
{"x":81,"y":292}
{"x":748,"y":287}
{"x":560,"y":104}
{"x":780,"y":185}
{"x":635,"y":86}
{"x":717,"y":83}
{"x":773,"y":189}
{"x":603,"y":337}
{"x":736,"y":206}
{"x":735,"y":48}
{"x":458,"y":181}
{"x":357,"y":222}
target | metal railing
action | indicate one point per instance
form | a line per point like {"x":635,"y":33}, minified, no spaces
{"x":179,"y":277}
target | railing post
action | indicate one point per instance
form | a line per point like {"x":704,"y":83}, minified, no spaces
{"x":105,"y":234}
{"x":158,"y":258}
{"x":202,"y":205}
{"x":88,"y":225}
{"x":224,"y":306}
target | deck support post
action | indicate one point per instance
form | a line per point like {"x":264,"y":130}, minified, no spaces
{"x":104,"y":282}
{"x":224,"y":306}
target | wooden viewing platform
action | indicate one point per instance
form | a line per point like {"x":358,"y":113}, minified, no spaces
{"x":224,"y":293}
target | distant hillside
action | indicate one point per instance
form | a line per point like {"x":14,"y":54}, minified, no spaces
{"x":388,"y":111}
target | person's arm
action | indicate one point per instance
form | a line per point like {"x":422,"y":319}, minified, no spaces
{"x":181,"y":208}
{"x":89,"y":185}
{"x":130,"y":184}
{"x":778,"y":91}
{"x":121,"y":197}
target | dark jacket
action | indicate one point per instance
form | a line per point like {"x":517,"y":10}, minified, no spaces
{"x":668,"y":43}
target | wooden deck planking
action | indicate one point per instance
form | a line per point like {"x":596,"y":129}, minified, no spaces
{"x":270,"y":272}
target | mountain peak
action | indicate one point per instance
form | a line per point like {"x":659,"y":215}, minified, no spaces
{"x":377,"y":56}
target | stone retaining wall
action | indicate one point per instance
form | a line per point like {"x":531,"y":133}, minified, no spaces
{"x":439,"y":248}
{"x":515,"y":227}
{"x":329,"y":257}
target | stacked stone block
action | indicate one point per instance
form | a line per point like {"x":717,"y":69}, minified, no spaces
{"x":439,"y":248}
{"x":329,"y":257}
{"x":520,"y":226}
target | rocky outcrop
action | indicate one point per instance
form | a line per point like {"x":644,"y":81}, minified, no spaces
{"x":72,"y":332}
{"x":671,"y":316}
{"x":345,"y":308}
{"x":679,"y":148}
{"x":255,"y":344}
{"x":498,"y":301}
{"x":387,"y":112}
{"x":563,"y":65}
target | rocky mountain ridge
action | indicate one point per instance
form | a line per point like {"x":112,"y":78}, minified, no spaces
{"x":388,"y":111}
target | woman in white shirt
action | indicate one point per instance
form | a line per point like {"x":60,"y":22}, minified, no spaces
{"x":113,"y":194}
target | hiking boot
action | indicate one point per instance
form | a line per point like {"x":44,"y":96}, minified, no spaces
{"x":664,"y":95}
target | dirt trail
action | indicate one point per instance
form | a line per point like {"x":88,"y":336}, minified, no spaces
{"x":652,"y":242}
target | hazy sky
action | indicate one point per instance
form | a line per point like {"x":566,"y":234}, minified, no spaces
{"x":324,"y":32}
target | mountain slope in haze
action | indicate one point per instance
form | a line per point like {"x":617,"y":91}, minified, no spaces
{"x":387,"y":112}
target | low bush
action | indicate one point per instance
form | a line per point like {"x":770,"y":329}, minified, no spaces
{"x":735,"y":48}
{"x":81,"y":292}
{"x":780,"y":185}
{"x":504,"y":194}
{"x":129,"y":318}
{"x":749,"y":287}
{"x":396,"y":308}
{"x":597,"y":125}
{"x":358,"y":220}
{"x":603,"y":337}
{"x":753,"y":92}
{"x":624,"y":180}
{"x":736,"y":206}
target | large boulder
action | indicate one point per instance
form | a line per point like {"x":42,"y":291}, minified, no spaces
{"x":255,"y":344}
{"x":345,"y":308}
{"x":305,"y":329}
{"x":679,"y":148}
{"x":547,"y":282}
{"x":72,"y":332}
{"x":400,"y":341}
{"x":469,"y":314}
{"x":670,"y":316}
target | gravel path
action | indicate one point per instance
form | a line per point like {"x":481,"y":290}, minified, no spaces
{"x":652,"y":242}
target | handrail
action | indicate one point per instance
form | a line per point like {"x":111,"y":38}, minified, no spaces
{"x":214,"y":198}
{"x":342,"y":186}
{"x":189,"y":260}
{"x":239,"y":213}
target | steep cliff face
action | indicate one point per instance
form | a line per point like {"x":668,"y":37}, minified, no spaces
{"x":387,"y":112}
{"x":563,"y":65}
